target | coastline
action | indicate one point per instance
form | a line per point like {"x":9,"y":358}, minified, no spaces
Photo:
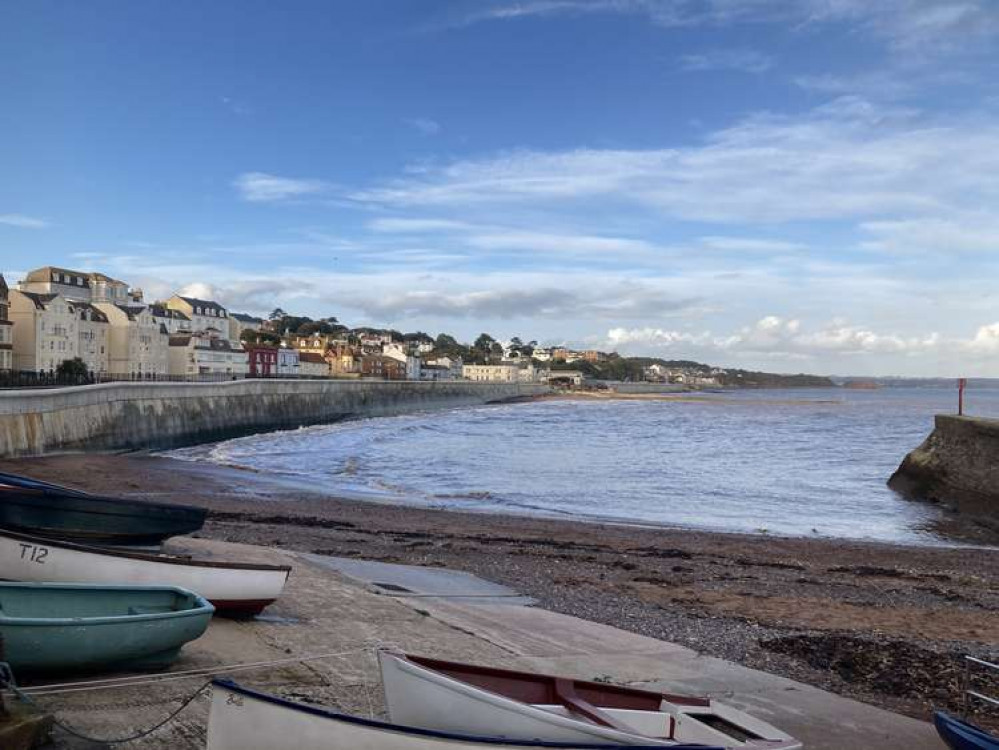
{"x":880,"y":622}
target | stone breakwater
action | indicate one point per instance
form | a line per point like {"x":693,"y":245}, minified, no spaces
{"x":956,"y":466}
{"x":135,"y":416}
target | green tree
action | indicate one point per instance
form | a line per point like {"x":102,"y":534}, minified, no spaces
{"x":277,"y":314}
{"x":72,"y":370}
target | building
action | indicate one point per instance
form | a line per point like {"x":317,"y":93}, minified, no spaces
{"x":53,"y":329}
{"x":592,"y":355}
{"x":401,"y":353}
{"x":316,"y":343}
{"x":542,"y":355}
{"x":77,"y":286}
{"x":380,"y":366}
{"x":204,"y":353}
{"x":311,"y":365}
{"x":565,"y":378}
{"x":6,"y":329}
{"x":204,"y":315}
{"x":138,"y":344}
{"x":495,"y":373}
{"x":288,"y":362}
{"x":173,"y":320}
{"x":239,"y":322}
{"x":343,"y":361}
{"x":262,"y":361}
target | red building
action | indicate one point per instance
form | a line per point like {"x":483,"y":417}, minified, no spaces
{"x":263,"y":361}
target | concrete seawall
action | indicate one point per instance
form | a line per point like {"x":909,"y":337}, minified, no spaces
{"x":956,"y":466}
{"x":130,"y":416}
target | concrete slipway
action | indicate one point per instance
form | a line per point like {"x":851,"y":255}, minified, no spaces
{"x":347,"y":607}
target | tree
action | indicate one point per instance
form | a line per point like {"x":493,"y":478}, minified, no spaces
{"x":72,"y":370}
{"x":277,"y":314}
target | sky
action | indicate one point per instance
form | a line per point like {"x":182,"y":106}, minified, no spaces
{"x":789,"y":185}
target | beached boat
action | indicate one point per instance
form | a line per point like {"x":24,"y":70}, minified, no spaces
{"x":65,"y":627}
{"x":455,"y":697}
{"x":36,"y":507}
{"x":245,"y":719}
{"x":961,"y":735}
{"x":234,"y":588}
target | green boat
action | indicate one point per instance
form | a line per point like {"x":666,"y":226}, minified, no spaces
{"x":62,"y":627}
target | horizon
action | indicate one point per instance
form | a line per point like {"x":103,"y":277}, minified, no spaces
{"x":757,"y":184}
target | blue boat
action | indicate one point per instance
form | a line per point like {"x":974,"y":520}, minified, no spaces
{"x":961,"y":735}
{"x":63,"y":627}
{"x":34,"y":507}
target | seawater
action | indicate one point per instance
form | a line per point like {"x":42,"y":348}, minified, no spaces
{"x":789,"y":462}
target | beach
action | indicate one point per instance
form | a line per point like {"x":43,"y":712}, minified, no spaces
{"x":884,"y":623}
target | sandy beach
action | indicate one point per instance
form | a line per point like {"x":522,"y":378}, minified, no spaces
{"x":882,"y":623}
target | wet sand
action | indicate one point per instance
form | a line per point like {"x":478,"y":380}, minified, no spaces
{"x":883,"y":623}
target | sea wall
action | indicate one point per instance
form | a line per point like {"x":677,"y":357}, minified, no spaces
{"x":131,"y":416}
{"x":956,"y":466}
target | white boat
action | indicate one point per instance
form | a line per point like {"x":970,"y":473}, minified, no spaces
{"x":234,"y":588}
{"x":245,"y":719}
{"x":453,"y":697}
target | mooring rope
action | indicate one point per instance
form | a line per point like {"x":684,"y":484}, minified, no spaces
{"x":28,"y":695}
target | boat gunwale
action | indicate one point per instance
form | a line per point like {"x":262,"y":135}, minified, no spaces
{"x":433,"y":733}
{"x":124,"y":502}
{"x":201,"y":606}
{"x":440,"y":666}
{"x":166,"y":559}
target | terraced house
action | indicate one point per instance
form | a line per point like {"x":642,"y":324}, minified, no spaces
{"x":6,"y":329}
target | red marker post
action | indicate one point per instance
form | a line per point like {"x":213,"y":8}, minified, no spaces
{"x":961,"y":382}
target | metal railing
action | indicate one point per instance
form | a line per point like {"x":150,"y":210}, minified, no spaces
{"x":973,"y":668}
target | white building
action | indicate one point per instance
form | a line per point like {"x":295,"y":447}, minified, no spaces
{"x":494,"y":373}
{"x":288,"y":362}
{"x":173,"y":320}
{"x":138,"y":344}
{"x":205,"y":353}
{"x":204,"y":315}
{"x":312,"y":365}
{"x":79,"y":286}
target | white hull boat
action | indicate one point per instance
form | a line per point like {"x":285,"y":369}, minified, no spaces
{"x":244,"y":719}
{"x":234,"y":588}
{"x":454,"y":697}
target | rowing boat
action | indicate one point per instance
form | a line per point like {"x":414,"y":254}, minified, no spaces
{"x":35,"y":507}
{"x":64,"y":627}
{"x":245,"y":719}
{"x":455,"y":697}
{"x":962,"y":735}
{"x":234,"y":588}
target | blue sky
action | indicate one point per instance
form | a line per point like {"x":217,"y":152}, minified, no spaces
{"x":799,"y":185}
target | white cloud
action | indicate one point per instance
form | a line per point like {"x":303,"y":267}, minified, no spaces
{"x":259,"y":187}
{"x":23,"y":222}
{"x":940,"y":235}
{"x":424,"y":125}
{"x":751,"y":245}
{"x":741,"y":60}
{"x":848,"y":159}
{"x":415,"y":226}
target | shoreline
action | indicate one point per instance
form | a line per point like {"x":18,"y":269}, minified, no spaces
{"x":880,"y":622}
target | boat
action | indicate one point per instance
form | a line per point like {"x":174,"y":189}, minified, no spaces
{"x":244,"y":719}
{"x":62,"y":627}
{"x":454,"y":697}
{"x":234,"y":588}
{"x":35,"y":507}
{"x":962,"y":735}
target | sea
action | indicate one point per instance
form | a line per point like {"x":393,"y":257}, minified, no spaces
{"x":795,"y":462}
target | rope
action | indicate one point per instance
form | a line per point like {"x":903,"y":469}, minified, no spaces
{"x":27,"y":695}
{"x":111,"y":683}
{"x":102,"y":740}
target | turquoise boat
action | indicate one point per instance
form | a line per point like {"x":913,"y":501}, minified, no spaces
{"x":62,"y":627}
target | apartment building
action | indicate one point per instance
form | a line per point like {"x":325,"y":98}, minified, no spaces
{"x":205,"y":353}
{"x":6,"y":329}
{"x":138,"y":344}
{"x":493,"y":373}
{"x":204,"y":315}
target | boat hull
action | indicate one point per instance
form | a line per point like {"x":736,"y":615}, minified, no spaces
{"x":244,"y":719}
{"x":234,"y":589}
{"x":419,"y":695}
{"x":69,"y":627}
{"x":960,"y":735}
{"x":47,"y":510}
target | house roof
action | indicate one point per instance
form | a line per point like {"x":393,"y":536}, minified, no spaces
{"x":205,"y":304}
{"x":162,"y":311}
{"x":317,"y":359}
{"x":48,"y":274}
{"x":96,"y":315}
{"x":40,"y":300}
{"x":3,"y":283}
